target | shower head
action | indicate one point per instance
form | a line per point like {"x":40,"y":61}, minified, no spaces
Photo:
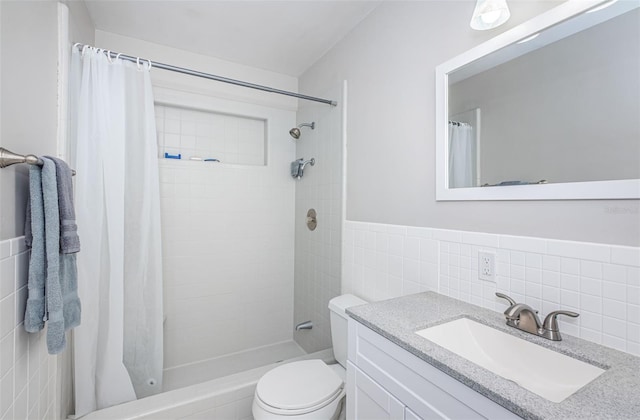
{"x":295,"y":132}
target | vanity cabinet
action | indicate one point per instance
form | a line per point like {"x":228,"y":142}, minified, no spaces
{"x":384,"y":381}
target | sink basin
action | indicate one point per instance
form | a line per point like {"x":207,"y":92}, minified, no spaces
{"x":549,"y":374}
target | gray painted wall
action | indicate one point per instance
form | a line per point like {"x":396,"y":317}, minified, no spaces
{"x":28,"y":99}
{"x":389,"y":61}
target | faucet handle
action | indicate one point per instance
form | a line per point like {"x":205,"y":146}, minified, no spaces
{"x":503,"y":296}
{"x":551,"y":321}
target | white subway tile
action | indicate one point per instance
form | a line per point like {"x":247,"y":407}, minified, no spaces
{"x":591,"y":335}
{"x":633,"y":332}
{"x":551,"y":263}
{"x":533,"y":260}
{"x":481,"y":239}
{"x":18,"y":245}
{"x":614,"y":291}
{"x":412,"y":247}
{"x":615,"y":273}
{"x":551,"y":294}
{"x":591,"y":269}
{"x":517,"y":258}
{"x":570,"y":266}
{"x":625,"y":255}
{"x":551,"y":278}
{"x":396,"y":245}
{"x":533,"y":290}
{"x":7,"y":315}
{"x":583,"y":250}
{"x":614,"y":309}
{"x":614,"y":327}
{"x":418,"y":232}
{"x":521,"y":243}
{"x":411,"y":270}
{"x":569,"y":298}
{"x":517,"y":272}
{"x":633,"y":295}
{"x":429,"y":250}
{"x":591,"y":320}
{"x":591,"y":286}
{"x":591,"y":303}
{"x":448,"y":235}
{"x":395,"y":266}
{"x":7,"y":276}
{"x":569,"y":282}
{"x":6,"y":353}
{"x":5,"y":249}
{"x":382,"y":242}
{"x":533,"y":275}
{"x":633,"y":276}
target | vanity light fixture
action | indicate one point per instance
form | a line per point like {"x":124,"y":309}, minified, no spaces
{"x":489,"y":14}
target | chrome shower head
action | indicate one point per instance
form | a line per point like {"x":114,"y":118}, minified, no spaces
{"x":295,"y":132}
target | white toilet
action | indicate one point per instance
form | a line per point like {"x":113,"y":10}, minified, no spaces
{"x":309,"y":389}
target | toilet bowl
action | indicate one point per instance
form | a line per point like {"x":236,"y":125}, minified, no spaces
{"x":309,"y":389}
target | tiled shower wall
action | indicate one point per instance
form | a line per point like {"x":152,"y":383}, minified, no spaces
{"x":601,"y":282}
{"x":202,"y":134}
{"x":28,"y":386}
{"x":318,"y":252}
{"x":228,"y":244}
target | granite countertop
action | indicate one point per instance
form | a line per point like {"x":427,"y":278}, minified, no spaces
{"x":613,"y":395}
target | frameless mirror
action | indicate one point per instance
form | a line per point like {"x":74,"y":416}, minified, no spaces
{"x":547,"y":110}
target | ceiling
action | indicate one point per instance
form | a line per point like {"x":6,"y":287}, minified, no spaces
{"x":282,"y":36}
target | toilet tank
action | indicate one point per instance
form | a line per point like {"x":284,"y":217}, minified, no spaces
{"x":339,"y":318}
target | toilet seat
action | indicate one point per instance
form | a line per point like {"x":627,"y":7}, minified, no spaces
{"x":298,"y":388}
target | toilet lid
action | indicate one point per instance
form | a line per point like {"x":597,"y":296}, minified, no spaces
{"x":299,"y":385}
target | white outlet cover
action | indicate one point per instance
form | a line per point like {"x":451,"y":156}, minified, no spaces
{"x":487,"y":266}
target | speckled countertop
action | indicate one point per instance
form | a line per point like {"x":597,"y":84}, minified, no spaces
{"x":613,"y":395}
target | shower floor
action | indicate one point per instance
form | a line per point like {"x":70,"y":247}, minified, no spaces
{"x":194,"y":373}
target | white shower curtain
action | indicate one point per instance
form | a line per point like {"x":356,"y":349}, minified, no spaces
{"x":118,"y":347}
{"x":462,"y":156}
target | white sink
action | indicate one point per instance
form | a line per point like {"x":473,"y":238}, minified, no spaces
{"x":545,"y":372}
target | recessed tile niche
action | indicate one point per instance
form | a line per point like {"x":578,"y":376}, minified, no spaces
{"x":198,"y":135}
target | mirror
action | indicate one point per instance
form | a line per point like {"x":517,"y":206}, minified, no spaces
{"x":547,"y":110}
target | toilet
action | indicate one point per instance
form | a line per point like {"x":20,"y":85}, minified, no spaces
{"x":309,"y":389}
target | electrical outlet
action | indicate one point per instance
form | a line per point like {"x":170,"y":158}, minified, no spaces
{"x":487,"y":266}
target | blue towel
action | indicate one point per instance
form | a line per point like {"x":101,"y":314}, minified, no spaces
{"x":52,"y":275}
{"x":56,"y":339}
{"x":35,"y":310}
{"x":69,"y":240}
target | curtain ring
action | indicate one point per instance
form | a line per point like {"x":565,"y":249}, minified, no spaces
{"x":76,"y":45}
{"x":118,"y":56}
{"x":84,"y":50}
{"x":138,"y":63}
{"x":150,"y":64}
{"x":109,"y":57}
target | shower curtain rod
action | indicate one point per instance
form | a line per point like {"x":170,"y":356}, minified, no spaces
{"x":209,"y":76}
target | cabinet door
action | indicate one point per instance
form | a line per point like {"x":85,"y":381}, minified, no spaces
{"x":366,"y":400}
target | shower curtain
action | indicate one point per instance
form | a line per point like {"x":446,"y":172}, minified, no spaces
{"x":462,"y":156}
{"x":118,"y":347}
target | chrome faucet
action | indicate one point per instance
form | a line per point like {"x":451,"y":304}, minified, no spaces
{"x":525,"y":318}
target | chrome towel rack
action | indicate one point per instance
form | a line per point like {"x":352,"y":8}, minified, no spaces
{"x":8,"y":158}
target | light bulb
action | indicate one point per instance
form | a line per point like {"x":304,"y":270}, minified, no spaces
{"x":489,"y":14}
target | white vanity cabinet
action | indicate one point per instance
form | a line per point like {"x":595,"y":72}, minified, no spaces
{"x":384,"y":381}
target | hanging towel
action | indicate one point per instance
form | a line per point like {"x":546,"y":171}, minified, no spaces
{"x":69,"y":245}
{"x":35,"y":310}
{"x":69,"y":240}
{"x":56,"y":339}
